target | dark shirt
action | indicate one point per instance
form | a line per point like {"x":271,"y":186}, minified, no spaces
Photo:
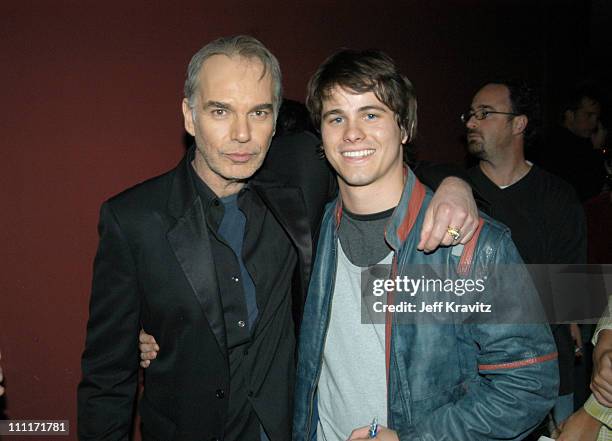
{"x":547,"y":225}
{"x":362,"y":237}
{"x":545,"y":218}
{"x":574,"y":159}
{"x":232,"y":230}
{"x":254,"y":260}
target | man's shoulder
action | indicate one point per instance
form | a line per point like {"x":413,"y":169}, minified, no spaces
{"x":151,"y":193}
{"x":492,"y":226}
{"x":295,"y":160}
{"x":553,"y":188}
{"x":494,"y":243}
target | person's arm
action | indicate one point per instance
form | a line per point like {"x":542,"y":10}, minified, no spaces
{"x":517,"y":378}
{"x":110,"y":361}
{"x":580,"y":426}
{"x":453,"y":206}
{"x":602,"y":414}
{"x":584,"y":424}
{"x":432,"y":175}
{"x":601,"y":383}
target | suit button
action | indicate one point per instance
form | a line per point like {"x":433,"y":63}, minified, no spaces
{"x":241,"y":323}
{"x":250,"y":394}
{"x":220,"y":393}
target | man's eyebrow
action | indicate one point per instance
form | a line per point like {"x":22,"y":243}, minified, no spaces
{"x":483,"y":107}
{"x":372,"y":107}
{"x":265,"y":106}
{"x":332,"y":112}
{"x":367,"y":108}
{"x":217,"y":105}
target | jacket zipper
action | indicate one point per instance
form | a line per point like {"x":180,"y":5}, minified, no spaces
{"x":329,"y":308}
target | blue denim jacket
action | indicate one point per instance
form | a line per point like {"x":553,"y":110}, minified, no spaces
{"x":446,"y":382}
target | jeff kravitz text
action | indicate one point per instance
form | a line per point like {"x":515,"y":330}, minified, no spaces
{"x":432,"y":287}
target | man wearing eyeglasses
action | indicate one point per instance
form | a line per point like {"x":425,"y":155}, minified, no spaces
{"x":543,"y":213}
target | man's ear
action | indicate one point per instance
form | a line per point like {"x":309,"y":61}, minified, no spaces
{"x":188,"y":117}
{"x":519,"y":124}
{"x":407,"y":134}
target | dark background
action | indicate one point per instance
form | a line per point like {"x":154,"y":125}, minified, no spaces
{"x":90,"y":95}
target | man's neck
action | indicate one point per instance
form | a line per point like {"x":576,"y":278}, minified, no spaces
{"x":507,"y":171}
{"x":220,"y":186}
{"x":374,"y":198}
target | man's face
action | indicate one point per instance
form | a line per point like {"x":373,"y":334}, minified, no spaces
{"x":583,"y":121}
{"x":362,"y":139}
{"x":232,"y":120}
{"x":487,"y":138}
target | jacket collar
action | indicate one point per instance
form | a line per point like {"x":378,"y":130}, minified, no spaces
{"x":405,"y":214}
{"x":190,"y":242}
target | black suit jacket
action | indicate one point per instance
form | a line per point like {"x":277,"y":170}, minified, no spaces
{"x":154,"y":269}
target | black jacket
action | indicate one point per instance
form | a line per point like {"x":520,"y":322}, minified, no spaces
{"x":154,"y":269}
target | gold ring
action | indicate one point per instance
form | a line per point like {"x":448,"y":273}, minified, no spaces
{"x":455,"y":233}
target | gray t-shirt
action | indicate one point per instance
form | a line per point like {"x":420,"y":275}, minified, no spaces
{"x":352,"y":388}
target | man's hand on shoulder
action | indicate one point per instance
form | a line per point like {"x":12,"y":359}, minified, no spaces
{"x":148,"y":348}
{"x":452,"y":206}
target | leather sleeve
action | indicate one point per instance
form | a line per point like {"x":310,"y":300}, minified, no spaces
{"x":432,"y":176}
{"x":517,"y":375}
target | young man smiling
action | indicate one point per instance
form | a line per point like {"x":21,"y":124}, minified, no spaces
{"x":422,"y":382}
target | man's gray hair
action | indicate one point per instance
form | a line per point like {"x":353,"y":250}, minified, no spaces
{"x":239,"y":45}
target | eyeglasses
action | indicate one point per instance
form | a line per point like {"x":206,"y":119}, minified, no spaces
{"x":481,"y":114}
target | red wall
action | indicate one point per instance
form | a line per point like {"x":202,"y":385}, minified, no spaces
{"x":90,"y":94}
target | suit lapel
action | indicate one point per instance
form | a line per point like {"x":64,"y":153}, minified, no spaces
{"x":189,"y":240}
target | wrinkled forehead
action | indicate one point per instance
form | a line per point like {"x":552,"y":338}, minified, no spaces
{"x":222,"y":70}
